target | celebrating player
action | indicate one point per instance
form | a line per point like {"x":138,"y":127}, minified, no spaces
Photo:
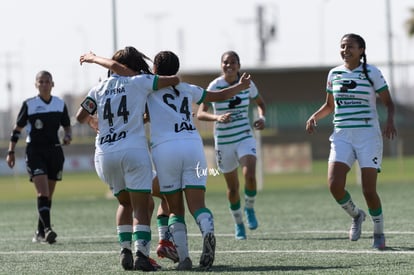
{"x":352,"y":90}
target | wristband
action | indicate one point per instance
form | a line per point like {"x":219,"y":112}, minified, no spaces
{"x":262,"y":118}
{"x":15,"y":136}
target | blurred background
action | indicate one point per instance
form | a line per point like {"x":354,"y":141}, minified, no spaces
{"x":287,"y":46}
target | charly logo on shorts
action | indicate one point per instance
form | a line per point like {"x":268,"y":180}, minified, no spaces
{"x":38,"y":124}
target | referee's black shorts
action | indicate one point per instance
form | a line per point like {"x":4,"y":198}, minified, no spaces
{"x":45,"y":160}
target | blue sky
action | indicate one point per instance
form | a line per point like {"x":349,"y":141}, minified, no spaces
{"x":50,"y":34}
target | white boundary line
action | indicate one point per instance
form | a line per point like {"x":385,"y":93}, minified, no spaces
{"x":319,"y":251}
{"x":115,"y":237}
{"x":299,"y":251}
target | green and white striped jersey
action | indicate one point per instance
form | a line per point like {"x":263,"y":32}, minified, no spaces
{"x":239,"y":127}
{"x":355,"y":97}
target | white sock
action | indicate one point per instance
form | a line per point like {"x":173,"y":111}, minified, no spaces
{"x":237,"y":216}
{"x":143,"y":245}
{"x":124,"y":229}
{"x":163,"y":233}
{"x":249,"y":201}
{"x":179,"y":234}
{"x":378,"y":224}
{"x":205,"y":222}
{"x":350,"y":208}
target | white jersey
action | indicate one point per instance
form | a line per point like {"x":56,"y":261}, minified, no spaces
{"x":171,"y":114}
{"x":120,"y":104}
{"x":239,"y":127}
{"x":355,"y":97}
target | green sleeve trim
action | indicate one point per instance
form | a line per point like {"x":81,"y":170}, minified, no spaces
{"x":202,"y":97}
{"x":155,"y":83}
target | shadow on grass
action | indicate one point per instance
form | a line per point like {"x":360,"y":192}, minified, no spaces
{"x":398,"y":248}
{"x":302,"y":239}
{"x":225,"y":268}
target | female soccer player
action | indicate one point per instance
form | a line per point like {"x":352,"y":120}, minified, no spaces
{"x":352,"y":89}
{"x":234,"y":141}
{"x":178,"y":154}
{"x":121,"y":157}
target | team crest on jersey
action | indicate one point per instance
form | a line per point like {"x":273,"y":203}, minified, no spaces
{"x":362,"y":76}
{"x":89,"y":105}
{"x":38,"y":124}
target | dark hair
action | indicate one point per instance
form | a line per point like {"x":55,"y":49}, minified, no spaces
{"x":42,"y":73}
{"x":133,"y":59}
{"x":167,"y":63}
{"x":232,"y":53}
{"x":361,"y":44}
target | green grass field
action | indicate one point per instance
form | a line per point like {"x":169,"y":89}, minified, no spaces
{"x":302,"y":230}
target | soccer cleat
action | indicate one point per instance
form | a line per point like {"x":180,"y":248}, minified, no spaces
{"x":166,"y":249}
{"x":251,"y":218}
{"x":240,"y":232}
{"x":187,"y":264}
{"x":143,"y":262}
{"x":154,"y":263}
{"x":379,"y":242}
{"x":209,"y":248}
{"x":50,"y":236}
{"x":126,"y":259}
{"x":356,"y":226}
{"x":38,"y":238}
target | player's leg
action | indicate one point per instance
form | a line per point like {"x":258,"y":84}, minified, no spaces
{"x":248,"y":165}
{"x":369,"y":153}
{"x":165,"y":248}
{"x":43,"y":207}
{"x":195,"y":198}
{"x":337,"y":172}
{"x":233,"y":196}
{"x":124,"y":229}
{"x":369,"y":189}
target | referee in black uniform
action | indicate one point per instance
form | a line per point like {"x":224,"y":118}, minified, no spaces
{"x":42,"y":116}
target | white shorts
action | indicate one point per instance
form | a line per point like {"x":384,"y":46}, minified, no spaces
{"x":129,"y":170}
{"x":180,"y":164}
{"x":362,"y":144}
{"x":227,"y":156}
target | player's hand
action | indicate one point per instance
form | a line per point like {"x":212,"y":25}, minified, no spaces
{"x":224,"y":118}
{"x":390,"y":132}
{"x":67,"y":139}
{"x":87,"y":57}
{"x":311,"y":125}
{"x":259,"y":124}
{"x":11,"y":160}
{"x":245,"y":80}
{"x":93,"y":123}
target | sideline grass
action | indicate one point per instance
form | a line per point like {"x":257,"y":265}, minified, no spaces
{"x":302,"y":230}
{"x":89,"y":185}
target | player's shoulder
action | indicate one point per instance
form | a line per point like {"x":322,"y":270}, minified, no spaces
{"x":372,"y":68}
{"x":31,"y":99}
{"x":218,"y":80}
{"x":187,"y":87}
